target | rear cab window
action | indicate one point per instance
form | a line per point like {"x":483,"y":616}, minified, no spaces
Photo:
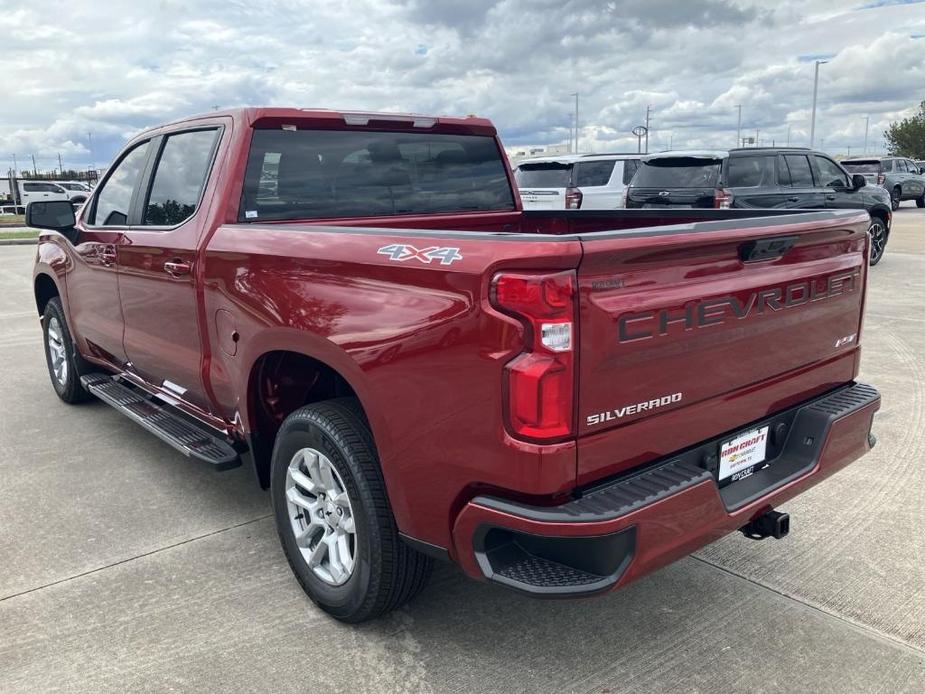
{"x":678,"y":172}
{"x":318,"y":174}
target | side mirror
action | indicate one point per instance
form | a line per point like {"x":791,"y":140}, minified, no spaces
{"x":57,"y":215}
{"x":858,"y":181}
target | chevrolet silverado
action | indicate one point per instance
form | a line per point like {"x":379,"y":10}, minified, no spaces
{"x":356,"y":306}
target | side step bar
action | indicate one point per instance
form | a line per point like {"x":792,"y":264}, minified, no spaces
{"x":171,"y":428}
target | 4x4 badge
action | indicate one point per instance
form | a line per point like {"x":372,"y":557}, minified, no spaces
{"x":402,"y":252}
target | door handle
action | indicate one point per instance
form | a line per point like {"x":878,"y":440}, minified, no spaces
{"x":177,"y":268}
{"x":830,"y":197}
{"x":108,"y":255}
{"x":793,"y":199}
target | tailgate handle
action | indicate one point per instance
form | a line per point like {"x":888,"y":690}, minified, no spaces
{"x":765,"y":249}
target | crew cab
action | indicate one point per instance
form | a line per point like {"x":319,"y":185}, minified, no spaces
{"x":759,"y":178}
{"x":356,"y":306}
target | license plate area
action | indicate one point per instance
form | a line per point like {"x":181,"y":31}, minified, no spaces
{"x":743,"y":455}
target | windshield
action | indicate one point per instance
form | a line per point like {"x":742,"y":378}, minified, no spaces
{"x":306,"y":174}
{"x":862,"y":167}
{"x":678,"y":172}
{"x":545,"y":175}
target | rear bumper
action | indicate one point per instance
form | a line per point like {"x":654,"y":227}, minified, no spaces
{"x":618,"y":531}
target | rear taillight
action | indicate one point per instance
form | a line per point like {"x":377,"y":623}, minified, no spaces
{"x":540,"y":381}
{"x":880,"y":179}
{"x":722,"y":198}
{"x":572,"y":198}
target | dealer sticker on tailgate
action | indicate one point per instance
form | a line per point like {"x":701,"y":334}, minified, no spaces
{"x":738,"y":457}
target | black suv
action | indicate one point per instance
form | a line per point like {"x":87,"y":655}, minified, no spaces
{"x":759,"y":177}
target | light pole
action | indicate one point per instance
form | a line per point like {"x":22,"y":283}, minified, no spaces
{"x":576,"y":121}
{"x":739,"y":127}
{"x":812,"y":125}
{"x":866,"y":128}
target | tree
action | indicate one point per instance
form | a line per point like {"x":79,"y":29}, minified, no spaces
{"x":907,"y":137}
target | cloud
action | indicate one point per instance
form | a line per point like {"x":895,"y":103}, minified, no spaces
{"x":114,"y":69}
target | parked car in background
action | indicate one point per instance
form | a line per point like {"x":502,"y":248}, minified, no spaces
{"x":41,"y":191}
{"x":759,"y":177}
{"x":575,"y":181}
{"x":902,"y":178}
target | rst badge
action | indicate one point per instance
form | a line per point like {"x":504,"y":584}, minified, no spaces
{"x":402,"y":252}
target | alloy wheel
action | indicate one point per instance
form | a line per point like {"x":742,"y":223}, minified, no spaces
{"x":877,"y":240}
{"x":321,"y":516}
{"x":57,"y":351}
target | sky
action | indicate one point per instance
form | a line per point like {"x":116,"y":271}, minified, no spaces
{"x":80,"y":78}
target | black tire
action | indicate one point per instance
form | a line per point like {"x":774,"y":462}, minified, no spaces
{"x":896,"y":198}
{"x":920,"y":201}
{"x":69,"y":388}
{"x":387,"y":572}
{"x":878,"y":239}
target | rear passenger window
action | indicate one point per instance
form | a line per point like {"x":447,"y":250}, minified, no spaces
{"x":180,"y":177}
{"x":629,"y":170}
{"x":115,"y":198}
{"x":594,"y":173}
{"x":745,"y":172}
{"x":797,"y":166}
{"x":900,"y":166}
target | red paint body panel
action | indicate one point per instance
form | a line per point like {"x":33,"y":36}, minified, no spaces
{"x":424,"y":350}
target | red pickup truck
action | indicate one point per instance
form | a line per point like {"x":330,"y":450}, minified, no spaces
{"x":356,"y":305}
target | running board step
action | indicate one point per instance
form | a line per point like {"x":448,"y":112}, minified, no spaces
{"x":189,"y":439}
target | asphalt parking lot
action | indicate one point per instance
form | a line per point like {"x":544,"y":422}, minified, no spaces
{"x":123,"y":567}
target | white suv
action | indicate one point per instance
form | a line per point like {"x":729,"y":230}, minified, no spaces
{"x":575,"y":181}
{"x":41,"y":191}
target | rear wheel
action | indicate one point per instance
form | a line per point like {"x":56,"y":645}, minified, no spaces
{"x":878,"y":237}
{"x":65,"y":365}
{"x":333,"y":516}
{"x":896,"y":197}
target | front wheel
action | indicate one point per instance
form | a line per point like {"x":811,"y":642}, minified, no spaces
{"x":920,"y":201}
{"x":65,"y":365}
{"x":878,"y":237}
{"x":333,"y":515}
{"x":896,"y":198}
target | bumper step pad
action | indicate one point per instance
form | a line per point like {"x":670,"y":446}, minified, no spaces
{"x":170,"y":427}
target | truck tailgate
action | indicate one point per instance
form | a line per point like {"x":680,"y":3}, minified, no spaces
{"x":759,"y":312}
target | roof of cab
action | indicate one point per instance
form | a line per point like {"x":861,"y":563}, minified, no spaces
{"x":249,"y":115}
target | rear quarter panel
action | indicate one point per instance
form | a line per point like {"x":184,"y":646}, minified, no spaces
{"x":418,"y":342}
